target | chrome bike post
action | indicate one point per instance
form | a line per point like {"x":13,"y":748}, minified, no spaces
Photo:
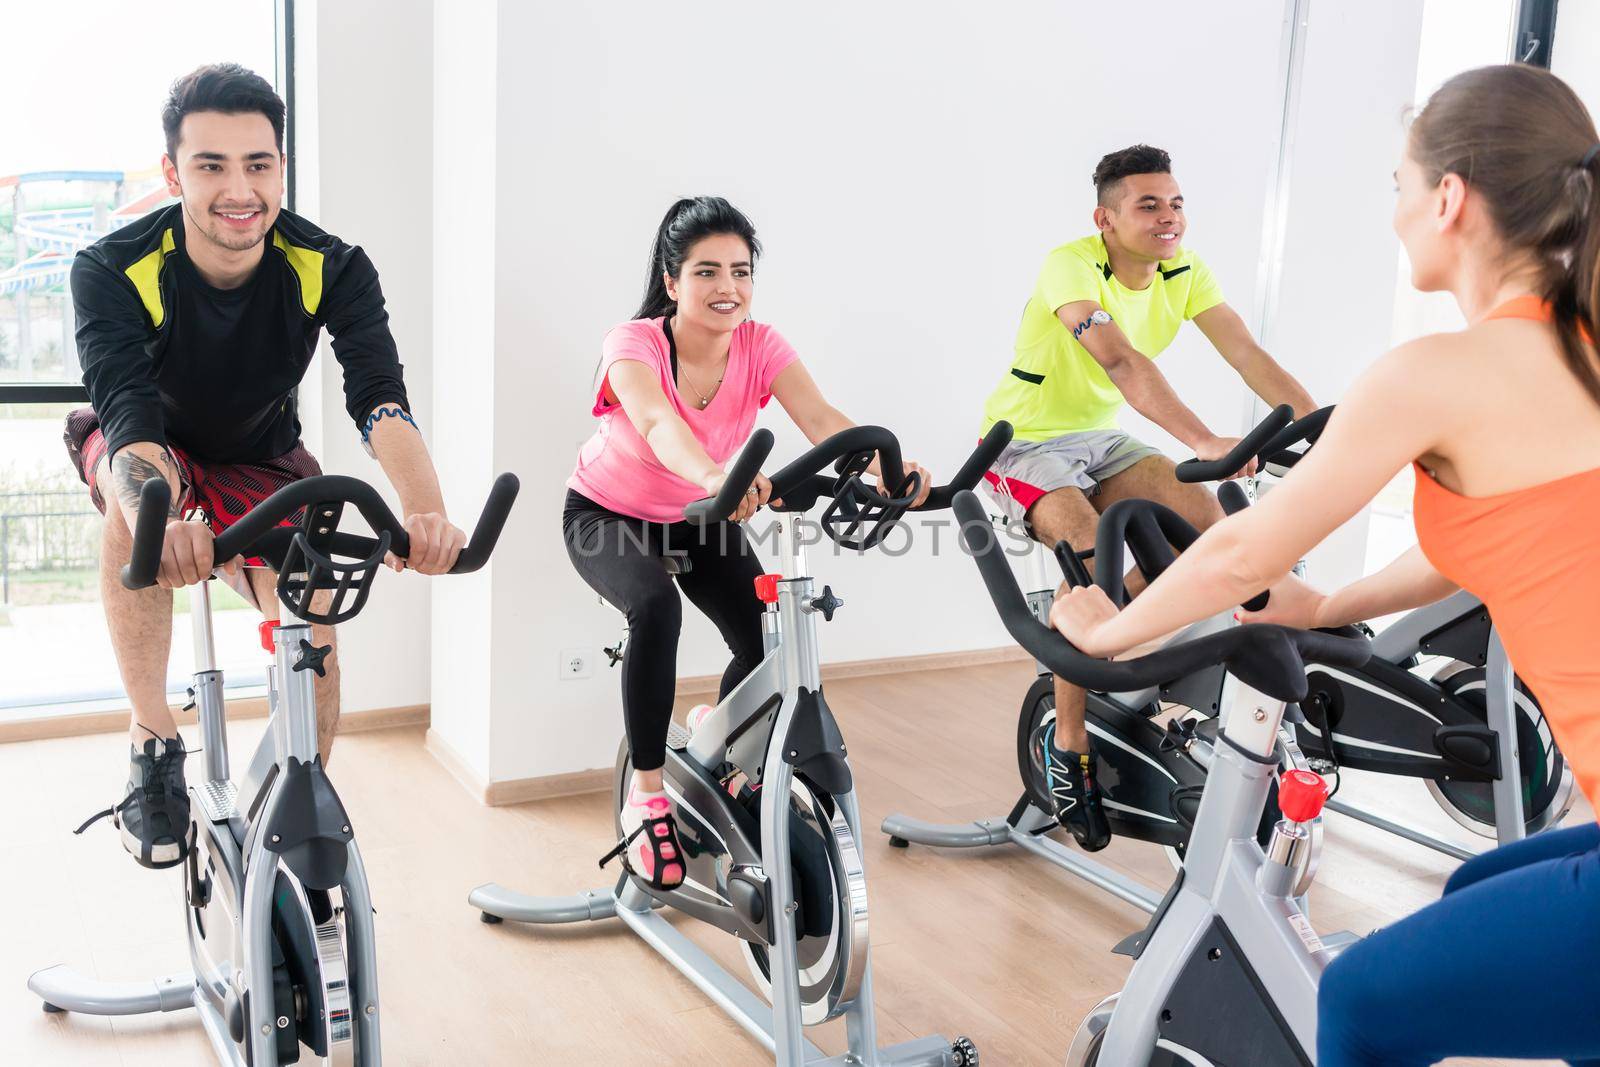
{"x":295,"y":724}
{"x":210,"y":709}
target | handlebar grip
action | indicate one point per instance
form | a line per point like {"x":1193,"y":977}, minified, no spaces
{"x":1332,"y":650}
{"x":741,"y":476}
{"x":1232,"y":497}
{"x":1072,"y":566}
{"x":1254,"y":442}
{"x":1307,"y":429}
{"x":148,"y":533}
{"x":982,"y":458}
{"x":486,"y":534}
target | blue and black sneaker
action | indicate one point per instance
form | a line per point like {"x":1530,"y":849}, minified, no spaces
{"x":1072,"y":778}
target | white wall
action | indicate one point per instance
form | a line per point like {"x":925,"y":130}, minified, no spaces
{"x":908,"y":166}
{"x":1337,"y":288}
{"x":365,"y":102}
{"x":465,"y":209}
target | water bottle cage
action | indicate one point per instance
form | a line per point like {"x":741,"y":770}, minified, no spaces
{"x":856,"y":507}
{"x":306,"y":571}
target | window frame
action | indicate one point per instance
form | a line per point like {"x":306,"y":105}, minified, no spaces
{"x":37,"y":393}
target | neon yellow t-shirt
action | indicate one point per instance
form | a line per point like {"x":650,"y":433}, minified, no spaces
{"x":1054,"y":386}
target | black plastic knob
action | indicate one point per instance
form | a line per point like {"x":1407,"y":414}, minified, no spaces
{"x":827,"y":603}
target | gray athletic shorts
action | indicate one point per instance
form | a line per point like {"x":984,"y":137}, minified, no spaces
{"x":1027,"y":470}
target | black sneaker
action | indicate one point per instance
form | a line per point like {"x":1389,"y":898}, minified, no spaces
{"x":154,"y":815}
{"x":1072,"y":778}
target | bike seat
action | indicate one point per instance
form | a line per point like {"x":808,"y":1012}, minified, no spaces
{"x":676,"y":563}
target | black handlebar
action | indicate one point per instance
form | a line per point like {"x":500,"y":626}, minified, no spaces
{"x":846,"y":443}
{"x":741,"y":476}
{"x":977,"y":464}
{"x":1269,"y":658}
{"x":1279,"y":450}
{"x":258,"y":532}
{"x":801,"y":482}
{"x":155,"y":497}
{"x":1249,"y":447}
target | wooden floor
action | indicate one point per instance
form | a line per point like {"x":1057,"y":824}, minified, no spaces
{"x":993,"y":944}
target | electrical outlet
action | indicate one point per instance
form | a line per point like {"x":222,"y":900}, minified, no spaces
{"x":576,"y":663}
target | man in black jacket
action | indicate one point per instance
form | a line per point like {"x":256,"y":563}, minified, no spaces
{"x":195,"y":325}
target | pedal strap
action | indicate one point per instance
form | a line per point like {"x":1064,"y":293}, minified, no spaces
{"x":97,"y":816}
{"x":647,"y":828}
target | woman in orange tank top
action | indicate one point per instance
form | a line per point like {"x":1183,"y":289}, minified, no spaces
{"x":1499,"y":204}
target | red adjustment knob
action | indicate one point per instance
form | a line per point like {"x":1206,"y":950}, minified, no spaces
{"x":767,"y":588}
{"x":1301,"y":795}
{"x":265,"y":630}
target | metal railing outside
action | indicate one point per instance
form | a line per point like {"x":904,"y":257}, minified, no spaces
{"x":45,"y":531}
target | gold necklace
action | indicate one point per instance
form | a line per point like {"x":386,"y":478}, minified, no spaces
{"x":683,"y":376}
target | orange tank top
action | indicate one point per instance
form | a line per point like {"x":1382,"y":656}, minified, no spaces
{"x":1533,"y":557}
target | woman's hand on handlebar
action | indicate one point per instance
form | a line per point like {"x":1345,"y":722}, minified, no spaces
{"x":1080,"y":614}
{"x":1217,"y":448}
{"x":1292,"y":603}
{"x":435,"y":544}
{"x":188,"y":555}
{"x":759,"y":493}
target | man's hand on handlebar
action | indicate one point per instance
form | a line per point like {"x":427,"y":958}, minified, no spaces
{"x":188,"y":555}
{"x":435,"y":544}
{"x":910,"y":468}
{"x":1292,"y":603}
{"x":1219,"y":447}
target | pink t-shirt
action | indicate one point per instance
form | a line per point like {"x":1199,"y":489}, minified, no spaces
{"x":617,"y":468}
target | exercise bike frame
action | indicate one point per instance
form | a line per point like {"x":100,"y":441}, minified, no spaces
{"x":291,"y":735}
{"x":1029,"y":827}
{"x":759,"y":729}
{"x":283,"y":817}
{"x":1230,"y":909}
{"x":1409,"y":637}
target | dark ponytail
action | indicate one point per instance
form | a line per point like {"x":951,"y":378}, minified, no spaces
{"x":1521,"y":139}
{"x":1583,"y":280}
{"x":686,"y":222}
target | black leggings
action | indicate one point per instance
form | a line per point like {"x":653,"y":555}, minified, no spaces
{"x":620,"y":557}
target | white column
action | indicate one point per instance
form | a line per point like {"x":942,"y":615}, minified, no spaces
{"x":465,"y":414}
{"x":364,"y":91}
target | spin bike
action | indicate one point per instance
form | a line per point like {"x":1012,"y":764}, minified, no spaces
{"x":278,"y":962}
{"x":1228,"y":969}
{"x":1151,"y":776}
{"x":1438,"y":701}
{"x":764,"y":794}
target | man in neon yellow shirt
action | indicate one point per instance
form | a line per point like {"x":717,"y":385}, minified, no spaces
{"x":1101,"y":311}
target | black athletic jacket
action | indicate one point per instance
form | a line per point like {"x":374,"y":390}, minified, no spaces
{"x":167,"y":357}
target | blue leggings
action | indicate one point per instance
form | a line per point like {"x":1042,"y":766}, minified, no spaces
{"x":1507,"y":963}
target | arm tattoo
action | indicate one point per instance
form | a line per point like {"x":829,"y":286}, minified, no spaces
{"x":130,"y":471}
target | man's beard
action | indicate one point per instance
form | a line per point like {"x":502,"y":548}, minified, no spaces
{"x":216,"y":232}
{"x":235,"y":242}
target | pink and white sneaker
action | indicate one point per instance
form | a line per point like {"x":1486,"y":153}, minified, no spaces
{"x":697,"y":715}
{"x":650,"y":847}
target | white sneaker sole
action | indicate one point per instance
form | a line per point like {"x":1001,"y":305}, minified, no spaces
{"x":164,"y":854}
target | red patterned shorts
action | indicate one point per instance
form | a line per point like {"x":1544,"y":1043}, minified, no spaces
{"x":222,"y":491}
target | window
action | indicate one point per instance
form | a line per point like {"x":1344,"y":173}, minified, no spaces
{"x":81,"y":157}
{"x":1457,"y":35}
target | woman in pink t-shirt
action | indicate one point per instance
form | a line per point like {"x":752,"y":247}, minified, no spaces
{"x":680,"y":385}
